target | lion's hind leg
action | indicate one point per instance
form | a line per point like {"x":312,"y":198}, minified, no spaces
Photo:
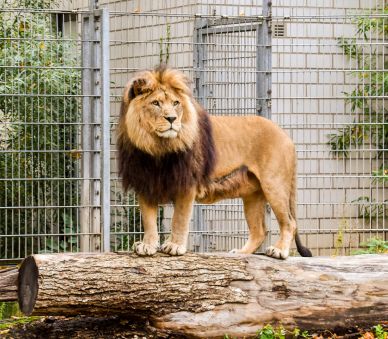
{"x":278,"y":196}
{"x":254,"y":210}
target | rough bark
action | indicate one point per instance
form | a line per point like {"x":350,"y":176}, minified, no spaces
{"x":8,"y":284}
{"x":210,"y":295}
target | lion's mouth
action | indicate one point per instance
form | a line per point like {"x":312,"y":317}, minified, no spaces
{"x":169,"y":133}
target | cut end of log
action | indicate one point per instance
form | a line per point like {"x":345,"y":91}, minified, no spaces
{"x":28,"y":285}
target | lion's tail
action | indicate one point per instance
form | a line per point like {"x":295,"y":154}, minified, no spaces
{"x":303,"y":251}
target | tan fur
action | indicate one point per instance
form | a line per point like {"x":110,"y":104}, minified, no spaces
{"x":269,"y":155}
{"x":255,"y":160}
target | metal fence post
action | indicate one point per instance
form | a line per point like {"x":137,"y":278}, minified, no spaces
{"x":95,"y":191}
{"x":199,"y":92}
{"x":264,"y":63}
{"x":86,"y":139}
{"x":105,"y":117}
{"x":264,"y":80}
{"x":199,"y":64}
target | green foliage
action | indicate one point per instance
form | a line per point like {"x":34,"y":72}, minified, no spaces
{"x":371,"y":120}
{"x":8,"y":310}
{"x":65,"y":243}
{"x":367,"y":103}
{"x":268,"y":332}
{"x":374,"y":245}
{"x":368,"y":208}
{"x":380,"y":332}
{"x":165,"y":56}
{"x":296,"y":333}
{"x":126,"y":228}
{"x":41,"y":125}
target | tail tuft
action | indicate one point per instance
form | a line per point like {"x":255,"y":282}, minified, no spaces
{"x":303,"y":251}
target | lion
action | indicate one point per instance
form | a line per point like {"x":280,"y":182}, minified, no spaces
{"x":172,"y":150}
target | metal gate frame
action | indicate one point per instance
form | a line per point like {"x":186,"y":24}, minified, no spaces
{"x":203,"y":27}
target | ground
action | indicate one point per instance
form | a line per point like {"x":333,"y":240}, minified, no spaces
{"x":94,"y":328}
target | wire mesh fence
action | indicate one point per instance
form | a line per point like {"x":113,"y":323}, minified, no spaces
{"x":330,"y":73}
{"x":327,"y":65}
{"x":40,"y":113}
{"x":44,"y":104}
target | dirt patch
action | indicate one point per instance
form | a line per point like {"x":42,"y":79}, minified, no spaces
{"x":113,"y":327}
{"x":82,"y":327}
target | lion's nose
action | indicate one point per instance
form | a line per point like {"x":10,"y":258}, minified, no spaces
{"x":170,"y":119}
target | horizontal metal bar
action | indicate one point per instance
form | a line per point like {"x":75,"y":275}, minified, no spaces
{"x":303,"y":98}
{"x":34,"y":95}
{"x":43,"y":11}
{"x":327,"y":149}
{"x":221,"y":205}
{"x":274,"y":232}
{"x":47,"y":179}
{"x":341,"y":176}
{"x":38,"y":67}
{"x":377,"y":42}
{"x":43,"y":123}
{"x":335,"y":124}
{"x":289,"y":97}
{"x":251,"y":70}
{"x":67,"y":152}
{"x":34,"y":235}
{"x":184,"y":15}
{"x":348,"y":16}
{"x":45,"y":207}
{"x":43,"y":39}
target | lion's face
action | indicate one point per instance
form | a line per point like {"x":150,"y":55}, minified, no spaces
{"x":162,"y":113}
{"x":158,"y":115}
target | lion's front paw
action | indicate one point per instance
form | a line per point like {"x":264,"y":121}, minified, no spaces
{"x":277,"y":253}
{"x":142,"y":248}
{"x":173,"y":249}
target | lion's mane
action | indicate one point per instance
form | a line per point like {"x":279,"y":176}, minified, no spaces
{"x":159,"y":179}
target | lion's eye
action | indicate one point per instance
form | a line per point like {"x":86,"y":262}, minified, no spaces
{"x":176,"y":103}
{"x":155,"y":102}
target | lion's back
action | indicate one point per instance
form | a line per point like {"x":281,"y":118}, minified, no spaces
{"x":251,"y":141}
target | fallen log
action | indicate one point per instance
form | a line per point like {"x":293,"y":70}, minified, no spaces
{"x":208,"y":295}
{"x":8,"y":284}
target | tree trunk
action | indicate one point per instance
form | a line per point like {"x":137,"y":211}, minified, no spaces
{"x":8,"y":284}
{"x":208,"y":295}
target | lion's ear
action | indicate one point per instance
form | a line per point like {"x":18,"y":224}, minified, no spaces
{"x":138,"y":87}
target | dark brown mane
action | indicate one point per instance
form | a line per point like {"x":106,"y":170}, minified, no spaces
{"x":160,"y":179}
